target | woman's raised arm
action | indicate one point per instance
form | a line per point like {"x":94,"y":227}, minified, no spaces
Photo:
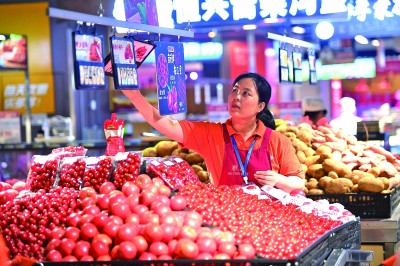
{"x":165,"y":125}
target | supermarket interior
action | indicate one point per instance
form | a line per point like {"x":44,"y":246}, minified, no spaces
{"x":64,"y":65}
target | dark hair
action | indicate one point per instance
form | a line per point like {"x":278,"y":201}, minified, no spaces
{"x":264,"y":95}
{"x":315,"y":115}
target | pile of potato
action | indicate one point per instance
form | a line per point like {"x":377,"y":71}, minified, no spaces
{"x":334,"y":163}
{"x":166,"y":148}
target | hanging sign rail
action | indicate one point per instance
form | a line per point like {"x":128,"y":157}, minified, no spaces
{"x":71,"y":15}
{"x":293,"y":41}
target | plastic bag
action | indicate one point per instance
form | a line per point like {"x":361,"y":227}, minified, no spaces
{"x":127,"y":167}
{"x":98,"y":171}
{"x":71,"y":172}
{"x":42,"y":172}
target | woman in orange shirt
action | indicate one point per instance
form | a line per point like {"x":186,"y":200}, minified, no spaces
{"x":245,"y":148}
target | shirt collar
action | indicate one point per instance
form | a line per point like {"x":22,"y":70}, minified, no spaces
{"x":260,"y":128}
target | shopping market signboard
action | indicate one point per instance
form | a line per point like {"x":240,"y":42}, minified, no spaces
{"x":88,"y":61}
{"x":123,"y":63}
{"x":171,"y":83}
{"x":206,"y":13}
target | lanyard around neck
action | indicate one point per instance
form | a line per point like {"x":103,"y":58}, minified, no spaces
{"x":243,"y":168}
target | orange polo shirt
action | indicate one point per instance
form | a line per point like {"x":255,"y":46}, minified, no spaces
{"x":206,"y":138}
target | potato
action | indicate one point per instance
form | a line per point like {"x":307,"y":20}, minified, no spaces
{"x":376,"y":171}
{"x":149,"y":152}
{"x":355,"y":189}
{"x":311,"y":160}
{"x":299,"y":145}
{"x":194,"y":158}
{"x":203,"y":165}
{"x":337,"y":186}
{"x":290,"y":135}
{"x":385,"y":182}
{"x":282,"y":128}
{"x":315,"y":171}
{"x":304,"y":168}
{"x":333,"y":175}
{"x":312,"y":183}
{"x":323,"y":181}
{"x":371,"y":184}
{"x":196,"y":168}
{"x":301,"y":156}
{"x":340,"y":168}
{"x":315,"y":191}
{"x":165,"y":147}
{"x":305,"y":136}
{"x":183,"y":155}
{"x":293,"y":129}
{"x":309,"y":152}
{"x":323,"y":149}
{"x":203,"y":176}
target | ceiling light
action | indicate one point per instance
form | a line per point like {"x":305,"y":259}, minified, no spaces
{"x":375,"y":43}
{"x":298,"y":30}
{"x":249,"y":27}
{"x":212,"y":34}
{"x":324,"y":30}
{"x":361,"y":39}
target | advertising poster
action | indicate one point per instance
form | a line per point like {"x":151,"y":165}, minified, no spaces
{"x":88,"y":61}
{"x":124,"y":64}
{"x":283,"y":65}
{"x":13,"y":52}
{"x":10,"y":127}
{"x":297,"y":67}
{"x":171,"y":83}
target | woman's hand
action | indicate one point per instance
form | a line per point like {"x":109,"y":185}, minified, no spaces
{"x":268,"y":177}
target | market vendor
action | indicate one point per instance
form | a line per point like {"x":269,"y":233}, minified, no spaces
{"x":245,"y":148}
{"x":313,"y":109}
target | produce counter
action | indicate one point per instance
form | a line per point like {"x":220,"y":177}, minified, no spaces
{"x":385,"y":232}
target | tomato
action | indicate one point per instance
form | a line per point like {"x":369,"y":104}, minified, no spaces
{"x":88,"y":231}
{"x":120,"y":209}
{"x":81,"y":249}
{"x":91,"y":209}
{"x":147,"y":196}
{"x":158,"y":248}
{"x":170,"y":231}
{"x":87,"y":192}
{"x":126,"y":250}
{"x":69,"y":258}
{"x":126,"y":232}
{"x":204,"y":256}
{"x":66,"y":246}
{"x":103,"y":201}
{"x":164,"y":190}
{"x":178,"y":203}
{"x":72,"y":233}
{"x":107,"y":187}
{"x":104,"y":238}
{"x":111,"y":229}
{"x":186,"y":249}
{"x":117,"y":197}
{"x":149,"y":217}
{"x":222,"y":256}
{"x":85,"y":218}
{"x":88,"y":201}
{"x":247,"y":250}
{"x":187,"y":232}
{"x":133,"y":200}
{"x":227,"y":248}
{"x":57,"y":233}
{"x":129,"y":188}
{"x":153,"y":232}
{"x":142,"y":181}
{"x":193,"y":219}
{"x":147,"y":256}
{"x":54,"y":255}
{"x":100,"y":220}
{"x":132,"y":218}
{"x":53,"y":244}
{"x":206,"y":245}
{"x":140,"y":243}
{"x":99,"y":248}
{"x":87,"y":258}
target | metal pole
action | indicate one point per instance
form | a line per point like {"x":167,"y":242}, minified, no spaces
{"x":251,"y":45}
{"x":28,"y":125}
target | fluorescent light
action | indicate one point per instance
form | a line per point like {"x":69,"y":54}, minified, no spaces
{"x":212,"y":34}
{"x":298,"y":30}
{"x":249,"y":27}
{"x":361,"y":39}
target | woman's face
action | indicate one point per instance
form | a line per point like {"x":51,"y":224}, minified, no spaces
{"x":243,"y":100}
